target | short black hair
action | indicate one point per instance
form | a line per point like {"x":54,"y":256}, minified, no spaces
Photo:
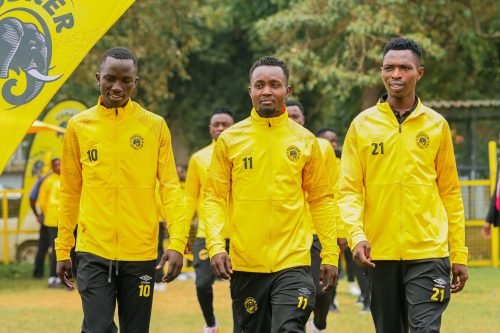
{"x":222,"y":110}
{"x":55,"y":160}
{"x":270,"y":61}
{"x":324,"y":130}
{"x":121,"y":53}
{"x":292,"y":102}
{"x":404,"y":44}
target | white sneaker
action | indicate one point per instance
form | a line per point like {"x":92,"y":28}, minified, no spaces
{"x":354,"y":290}
{"x":213,"y":329}
{"x":161,"y":287}
{"x":182,"y":277}
{"x":313,"y":329}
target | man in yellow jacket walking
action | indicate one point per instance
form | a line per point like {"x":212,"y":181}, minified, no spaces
{"x":196,"y":180}
{"x":401,"y":202}
{"x":113,"y":155}
{"x":323,"y":300}
{"x":270,"y":166}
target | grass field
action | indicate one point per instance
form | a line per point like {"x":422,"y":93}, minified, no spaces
{"x":27,"y":305}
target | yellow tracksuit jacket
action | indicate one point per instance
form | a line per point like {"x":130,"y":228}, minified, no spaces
{"x":332,"y":169}
{"x":268,"y":165}
{"x":412,"y":206}
{"x":51,"y":218}
{"x":111,"y":161}
{"x":44,"y":193}
{"x":196,"y":181}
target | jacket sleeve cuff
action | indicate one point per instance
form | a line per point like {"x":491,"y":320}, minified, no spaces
{"x":353,"y":241}
{"x":330,"y":259}
{"x":459,"y":257}
{"x":213,"y":252}
{"x":177,"y":245}
{"x":62,"y":251}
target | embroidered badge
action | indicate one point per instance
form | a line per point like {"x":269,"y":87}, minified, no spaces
{"x":136,"y":141}
{"x":423,"y":140}
{"x":293,"y":153}
{"x":250,"y":305}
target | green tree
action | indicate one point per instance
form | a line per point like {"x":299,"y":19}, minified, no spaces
{"x":194,"y":55}
{"x":162,"y":33}
{"x":334,"y":48}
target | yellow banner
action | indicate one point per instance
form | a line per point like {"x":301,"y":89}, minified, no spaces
{"x":44,"y":147}
{"x":41,"y":44}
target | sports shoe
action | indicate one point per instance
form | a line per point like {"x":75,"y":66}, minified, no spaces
{"x":360,"y":301}
{"x":55,"y":283}
{"x":313,"y":329}
{"x":183,"y":277}
{"x":333,"y":308}
{"x":365,"y":309}
{"x":213,"y":329}
{"x":353,"y":289}
{"x":161,"y":287}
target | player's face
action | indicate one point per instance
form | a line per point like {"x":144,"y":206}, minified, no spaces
{"x":400,"y":72}
{"x":56,"y":166}
{"x":219,"y":123}
{"x":295,"y":114}
{"x":117,"y":79}
{"x":330,"y":136}
{"x":268,"y":90}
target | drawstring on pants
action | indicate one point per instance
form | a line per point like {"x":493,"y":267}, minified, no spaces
{"x":110,"y":271}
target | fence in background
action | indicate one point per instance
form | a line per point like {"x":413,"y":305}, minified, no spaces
{"x":476,"y":196}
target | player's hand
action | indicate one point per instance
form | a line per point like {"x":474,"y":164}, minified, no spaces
{"x":486,"y":230}
{"x":342,"y":243}
{"x":221,"y":265}
{"x":361,"y":255}
{"x":460,"y":276}
{"x":63,"y":270}
{"x":328,"y":275}
{"x":39,"y":219}
{"x":175,"y":262}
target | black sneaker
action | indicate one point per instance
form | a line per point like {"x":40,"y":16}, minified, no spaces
{"x":334,"y":308}
{"x":365,"y":309}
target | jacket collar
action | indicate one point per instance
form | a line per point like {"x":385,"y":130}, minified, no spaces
{"x":270,"y":122}
{"x":115,"y":112}
{"x":385,"y":108}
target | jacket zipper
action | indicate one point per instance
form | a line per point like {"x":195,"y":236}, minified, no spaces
{"x":271,"y":186}
{"x":116,"y":184}
{"x":400,"y":186}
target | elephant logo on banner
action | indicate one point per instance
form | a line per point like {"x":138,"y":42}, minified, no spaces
{"x":24,"y":48}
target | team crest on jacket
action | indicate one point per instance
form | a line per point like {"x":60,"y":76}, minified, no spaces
{"x":250,"y":305}
{"x":293,"y":153}
{"x":423,"y":140}
{"x":136,"y":141}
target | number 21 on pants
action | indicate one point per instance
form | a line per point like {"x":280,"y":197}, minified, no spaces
{"x":438,"y":294}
